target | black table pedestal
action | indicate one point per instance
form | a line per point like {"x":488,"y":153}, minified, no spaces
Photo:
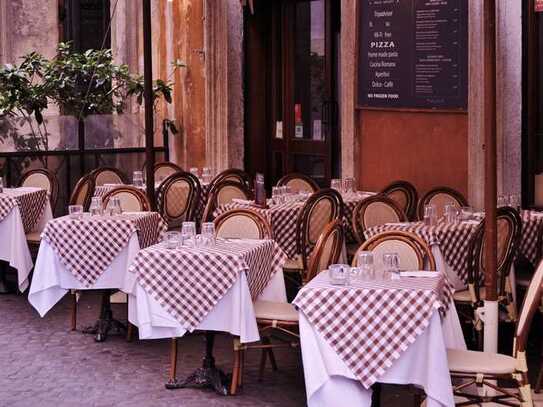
{"x":106,"y":324}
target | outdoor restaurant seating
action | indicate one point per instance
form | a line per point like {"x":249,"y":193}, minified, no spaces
{"x":440,"y":197}
{"x":131,"y":199}
{"x":42,"y":178}
{"x":163,"y":170}
{"x":233,"y":175}
{"x":299,"y":182}
{"x":83,"y":192}
{"x":405,"y":195}
{"x":224,"y":192}
{"x":177,"y":198}
{"x":108,"y":175}
{"x":242,"y":223}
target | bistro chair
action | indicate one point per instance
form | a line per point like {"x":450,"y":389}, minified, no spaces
{"x":163,"y":170}
{"x":177,"y":197}
{"x":405,"y":195}
{"x":282,"y":318}
{"x":132,"y":199}
{"x":233,"y":175}
{"x":485,"y":368}
{"x":223,"y":193}
{"x":440,"y":197}
{"x":42,"y":178}
{"x":108,"y":175}
{"x":242,"y":224}
{"x":299,"y":182}
{"x":509,"y":226}
{"x":83,"y":192}
{"x":413,"y":252}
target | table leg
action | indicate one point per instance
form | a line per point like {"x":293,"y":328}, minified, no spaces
{"x":207,"y":376}
{"x":106,"y":322}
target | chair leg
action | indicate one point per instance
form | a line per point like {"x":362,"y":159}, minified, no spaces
{"x":241,"y":367}
{"x":236,"y":368}
{"x":74,"y":310}
{"x":539,"y":381}
{"x":173,"y":360}
{"x":263,"y":357}
{"x":272,"y":359}
{"x":129,"y":332}
{"x":525,"y":391}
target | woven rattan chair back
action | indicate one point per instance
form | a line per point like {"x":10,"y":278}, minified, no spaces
{"x":413,"y":252}
{"x":108,"y":175}
{"x":440,"y":197}
{"x":405,"y":195}
{"x":327,"y":250}
{"x":132,"y":199}
{"x":83,"y":192}
{"x":374,"y":211}
{"x":177,"y":198}
{"x":233,"y":175}
{"x":242,"y":224}
{"x":299,"y":183}
{"x":164,"y":170}
{"x":44,"y":179}
{"x":223,"y":193}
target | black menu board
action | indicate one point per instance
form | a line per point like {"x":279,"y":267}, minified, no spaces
{"x":413,"y":54}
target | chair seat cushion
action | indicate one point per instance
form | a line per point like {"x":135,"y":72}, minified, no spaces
{"x":464,"y":295}
{"x":294,"y":264}
{"x":468,"y":361}
{"x":275,"y":311}
{"x":33,"y":237}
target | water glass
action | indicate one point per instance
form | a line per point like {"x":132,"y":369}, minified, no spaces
{"x":277,"y":195}
{"x":173,"y":240}
{"x":430,"y":215}
{"x":195,"y":171}
{"x":96,"y":207}
{"x":391,"y":265}
{"x":114,"y":206}
{"x":188,"y":233}
{"x":514,"y":201}
{"x":466,"y":213}
{"x":339,"y":274}
{"x":502,"y":201}
{"x":336,"y":184}
{"x":348,"y":185}
{"x":1,"y":185}
{"x":208,"y":234}
{"x":75,"y":211}
{"x":137,"y":179}
{"x":364,"y":261}
{"x":451,"y":214}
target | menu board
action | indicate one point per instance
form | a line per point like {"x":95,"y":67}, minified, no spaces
{"x":413,"y":54}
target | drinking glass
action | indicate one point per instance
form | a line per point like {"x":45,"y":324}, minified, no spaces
{"x":96,"y":207}
{"x":364,"y":261}
{"x":195,"y":171}
{"x":173,"y":240}
{"x":514,"y":201}
{"x":137,"y":179}
{"x":339,"y":274}
{"x":391,"y":265}
{"x":1,"y":185}
{"x":207,"y":176}
{"x":114,"y":206}
{"x":336,"y":184}
{"x":75,"y":211}
{"x":502,"y":201}
{"x":466,"y":213}
{"x":348,"y":185}
{"x":276,"y":195}
{"x":208,"y":234}
{"x":430,"y":215}
{"x":188,"y":233}
{"x":451,"y":214}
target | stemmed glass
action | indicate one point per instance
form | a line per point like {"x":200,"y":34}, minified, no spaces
{"x":188,"y":233}
{"x":391,"y":265}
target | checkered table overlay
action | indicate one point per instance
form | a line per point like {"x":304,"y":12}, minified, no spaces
{"x":88,"y":246}
{"x":31,"y":205}
{"x":189,"y":281}
{"x":532,"y":228}
{"x":370,"y":324}
{"x":453,"y":240}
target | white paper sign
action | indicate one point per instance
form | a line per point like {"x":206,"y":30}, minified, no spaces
{"x":299,"y":130}
{"x":317,"y":130}
{"x":279,"y":130}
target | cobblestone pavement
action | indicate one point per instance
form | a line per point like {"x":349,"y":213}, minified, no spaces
{"x":42,"y":363}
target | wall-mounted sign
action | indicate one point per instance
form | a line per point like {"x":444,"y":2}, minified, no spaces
{"x":538,"y":6}
{"x":413,"y":54}
{"x":279,"y":130}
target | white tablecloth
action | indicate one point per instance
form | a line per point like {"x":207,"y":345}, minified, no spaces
{"x":52,"y":280}
{"x":14,"y":248}
{"x":233,"y":313}
{"x":330,"y":383}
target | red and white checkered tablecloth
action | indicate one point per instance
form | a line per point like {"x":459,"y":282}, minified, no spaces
{"x":453,"y":240}
{"x":371,"y":323}
{"x":31,"y":203}
{"x":532,"y":228}
{"x":189,"y":281}
{"x":88,"y":246}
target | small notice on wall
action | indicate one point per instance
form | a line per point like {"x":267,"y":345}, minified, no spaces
{"x":538,"y":6}
{"x":317,"y":130}
{"x":279,"y":130}
{"x":299,"y":132}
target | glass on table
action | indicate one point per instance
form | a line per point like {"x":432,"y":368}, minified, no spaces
{"x":75,"y":211}
{"x":514,"y":201}
{"x":208,"y":234}
{"x":276,"y":195}
{"x":502,"y":201}
{"x":173,"y":240}
{"x":207,"y":175}
{"x":451,"y":214}
{"x":114,"y":206}
{"x":348,"y":185}
{"x":336,"y":184}
{"x":96,"y":206}
{"x":188,"y":233}
{"x":339,"y":274}
{"x":1,"y":185}
{"x":195,"y":171}
{"x":391,"y":265}
{"x":137,"y":179}
{"x":364,"y":261}
{"x":430,"y":215}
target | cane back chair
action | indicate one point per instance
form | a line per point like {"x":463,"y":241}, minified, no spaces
{"x":132,"y":199}
{"x":440,"y":197}
{"x":42,"y":178}
{"x":163,"y":170}
{"x":233,"y":175}
{"x":223,"y":193}
{"x":299,"y":182}
{"x":83,"y":192}
{"x":405,"y":195}
{"x":177,"y":198}
{"x":242,"y":224}
{"x":108,"y":175}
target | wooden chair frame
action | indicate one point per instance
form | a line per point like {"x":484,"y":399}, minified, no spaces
{"x":86,"y":179}
{"x":140,"y":196}
{"x":193,"y":197}
{"x":211,"y":204}
{"x":360,"y":208}
{"x":94,"y":173}
{"x":287,"y":178}
{"x":53,"y":197}
{"x":410,"y":193}
{"x":241,"y":177}
{"x":264,"y":227}
{"x":165,"y":164}
{"x":457,"y":196}
{"x":333,"y":228}
{"x":419,"y":246}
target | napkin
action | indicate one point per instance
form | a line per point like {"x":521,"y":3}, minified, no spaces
{"x":419,"y":274}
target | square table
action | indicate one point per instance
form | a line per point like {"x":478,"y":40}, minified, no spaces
{"x":394,"y":331}
{"x":22,"y":210}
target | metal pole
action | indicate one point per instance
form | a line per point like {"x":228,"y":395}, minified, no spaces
{"x":491,"y":305}
{"x":148,"y":97}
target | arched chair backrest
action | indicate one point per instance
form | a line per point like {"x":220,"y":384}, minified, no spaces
{"x":405,"y":195}
{"x":242,"y":224}
{"x":323,"y":207}
{"x":440,"y":197}
{"x":327,"y":250}
{"x":413,"y":252}
{"x":108,"y":175}
{"x":83,"y":192}
{"x":163,"y":170}
{"x":299,"y":183}
{"x":44,"y":179}
{"x":233,"y":175}
{"x":223,"y":193}
{"x":177,"y":198}
{"x":374,"y":211}
{"x":509,"y":231}
{"x":132,"y":199}
{"x":532,"y":301}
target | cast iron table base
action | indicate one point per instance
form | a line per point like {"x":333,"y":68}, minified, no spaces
{"x":106,"y":324}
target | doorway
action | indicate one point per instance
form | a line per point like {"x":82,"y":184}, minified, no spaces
{"x":291,"y":68}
